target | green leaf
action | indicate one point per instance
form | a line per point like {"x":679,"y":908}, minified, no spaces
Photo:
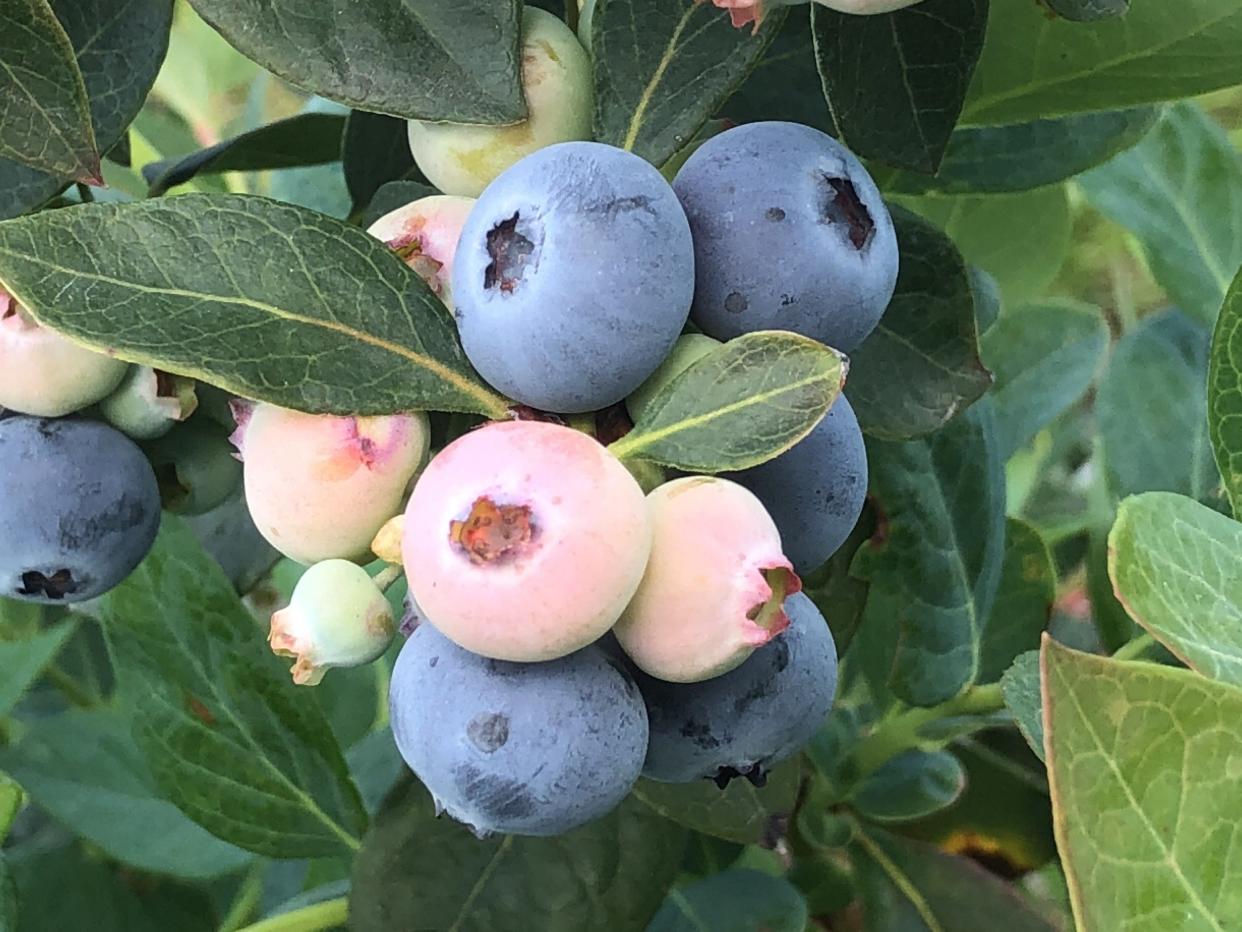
{"x":454,"y":60}
{"x":8,"y":898}
{"x":1035,"y":66}
{"x":374,"y":151}
{"x":896,"y":82}
{"x":45,"y":118}
{"x":663,"y":67}
{"x":1020,"y":239}
{"x":784,"y":84}
{"x":1024,"y":599}
{"x":740,"y":405}
{"x":934,"y":562}
{"x":740,"y":812}
{"x":733,"y":901}
{"x":12,"y":798}
{"x":1145,"y":792}
{"x":1180,"y":192}
{"x":928,"y":334}
{"x":120,"y":45}
{"x":1224,"y":398}
{"x":268,"y":301}
{"x":912,"y":785}
{"x":390,"y":196}
{"x":1087,"y":11}
{"x":305,"y":139}
{"x":1151,"y":410}
{"x":23,"y":661}
{"x":1177,"y":568}
{"x":914,"y":887}
{"x":1024,"y":698}
{"x":228,"y":737}
{"x":610,"y":874}
{"x":1044,"y":358}
{"x":840,"y":596}
{"x":1021,"y":156}
{"x":83,"y":768}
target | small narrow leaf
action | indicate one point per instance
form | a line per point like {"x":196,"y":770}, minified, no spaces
{"x":1225,"y":394}
{"x":1180,"y":192}
{"x":374,"y":151}
{"x":738,"y":900}
{"x":896,"y":81}
{"x":1145,"y":791}
{"x":454,"y":60}
{"x":228,"y":738}
{"x":912,"y":785}
{"x":1177,"y":568}
{"x":24,"y":660}
{"x":928,"y":334}
{"x":305,"y":139}
{"x":740,"y":812}
{"x":663,"y":67}
{"x":738,"y":406}
{"x":45,"y":119}
{"x":269,"y":301}
{"x":1023,"y":698}
{"x":1024,"y":600}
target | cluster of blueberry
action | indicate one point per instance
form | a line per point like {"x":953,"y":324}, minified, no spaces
{"x":572,"y":623}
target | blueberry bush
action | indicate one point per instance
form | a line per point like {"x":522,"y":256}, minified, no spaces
{"x":620,"y":465}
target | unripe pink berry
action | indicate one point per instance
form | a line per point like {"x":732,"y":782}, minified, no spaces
{"x":424,"y":234}
{"x":524,"y":540}
{"x":742,"y":12}
{"x":43,"y":373}
{"x":320,"y":487}
{"x":715,"y":585}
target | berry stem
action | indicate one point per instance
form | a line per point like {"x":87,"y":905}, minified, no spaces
{"x":902,"y":731}
{"x":387,"y":576}
{"x":326,"y":915}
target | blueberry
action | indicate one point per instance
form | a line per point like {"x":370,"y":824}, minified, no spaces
{"x":573,"y":277}
{"x":523,"y":748}
{"x":815,"y":491}
{"x":790,"y":233}
{"x":80,"y":509}
{"x":744,"y":722}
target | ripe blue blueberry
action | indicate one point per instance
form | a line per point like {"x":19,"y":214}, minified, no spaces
{"x":573,"y":277}
{"x":790,"y":233}
{"x":80,"y":509}
{"x":816,"y":490}
{"x":525,"y":748}
{"x":754,"y":716}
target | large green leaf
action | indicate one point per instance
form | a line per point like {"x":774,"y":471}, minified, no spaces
{"x":662,"y":67}
{"x":928,"y":334}
{"x":909,"y":886}
{"x":23,"y":659}
{"x":228,"y":738}
{"x":305,"y":139}
{"x":896,"y":81}
{"x":1177,"y":568}
{"x":83,"y":768}
{"x":934,"y":561}
{"x":1152,"y":413}
{"x":785,"y":84}
{"x":610,"y":874}
{"x":740,"y":812}
{"x":1145,"y":792}
{"x":45,"y":118}
{"x":1180,"y":192}
{"x":1021,"y":156}
{"x":737,"y":900}
{"x":1023,"y":604}
{"x":1225,"y":394}
{"x":269,"y":301}
{"x":1036,"y":66}
{"x":1020,"y":239}
{"x":738,"y":406}
{"x":120,"y":45}
{"x":455,"y":60}
{"x":1044,"y":358}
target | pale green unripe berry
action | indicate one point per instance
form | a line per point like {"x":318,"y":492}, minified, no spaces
{"x":195,"y":467}
{"x":148,"y":403}
{"x":461,"y":158}
{"x":689,"y":349}
{"x":337,"y":617}
{"x":45,"y":374}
